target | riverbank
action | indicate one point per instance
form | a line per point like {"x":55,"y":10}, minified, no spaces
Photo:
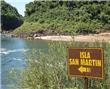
{"x":81,"y":38}
{"x":105,"y":36}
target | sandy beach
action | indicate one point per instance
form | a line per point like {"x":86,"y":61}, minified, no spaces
{"x":82,"y":38}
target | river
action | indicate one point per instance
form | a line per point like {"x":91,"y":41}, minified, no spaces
{"x":12,"y":53}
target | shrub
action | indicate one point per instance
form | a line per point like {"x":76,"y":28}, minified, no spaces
{"x":48,"y":70}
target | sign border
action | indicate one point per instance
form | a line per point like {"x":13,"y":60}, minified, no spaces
{"x":102,"y":50}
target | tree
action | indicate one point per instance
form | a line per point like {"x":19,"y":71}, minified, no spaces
{"x":10,"y":18}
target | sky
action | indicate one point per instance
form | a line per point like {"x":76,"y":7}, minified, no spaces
{"x":19,"y":5}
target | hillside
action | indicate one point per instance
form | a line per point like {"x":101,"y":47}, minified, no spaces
{"x":66,"y":17}
{"x":10,"y":18}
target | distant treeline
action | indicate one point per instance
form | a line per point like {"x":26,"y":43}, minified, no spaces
{"x":10,"y":18}
{"x":66,"y":16}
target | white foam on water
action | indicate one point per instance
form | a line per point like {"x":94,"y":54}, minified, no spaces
{"x":5,"y":51}
{"x":17,"y":59}
{"x":2,"y":49}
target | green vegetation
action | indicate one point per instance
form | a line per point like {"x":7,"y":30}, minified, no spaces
{"x":10,"y":18}
{"x":67,"y":16}
{"x":48,"y":70}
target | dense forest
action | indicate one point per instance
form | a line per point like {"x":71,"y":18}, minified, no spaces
{"x":58,"y":17}
{"x":10,"y":18}
{"x":67,"y":17}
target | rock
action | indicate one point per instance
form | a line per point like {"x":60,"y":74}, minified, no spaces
{"x":29,"y":38}
{"x":35,"y":35}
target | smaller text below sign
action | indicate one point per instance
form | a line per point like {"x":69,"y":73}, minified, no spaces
{"x":85,"y":62}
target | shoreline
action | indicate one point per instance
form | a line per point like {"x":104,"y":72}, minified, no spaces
{"x":101,"y":37}
{"x":80,"y":38}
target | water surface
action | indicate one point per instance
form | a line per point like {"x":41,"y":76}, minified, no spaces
{"x":13,"y":52}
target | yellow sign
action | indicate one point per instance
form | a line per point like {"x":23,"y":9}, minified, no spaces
{"x":84,"y":69}
{"x":85,"y":62}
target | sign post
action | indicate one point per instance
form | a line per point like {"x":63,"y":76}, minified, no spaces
{"x":85,"y":62}
{"x":85,"y":83}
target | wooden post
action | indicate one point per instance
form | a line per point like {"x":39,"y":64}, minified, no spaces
{"x":85,"y":83}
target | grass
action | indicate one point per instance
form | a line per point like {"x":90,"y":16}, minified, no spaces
{"x":48,"y":70}
{"x":28,"y":27}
